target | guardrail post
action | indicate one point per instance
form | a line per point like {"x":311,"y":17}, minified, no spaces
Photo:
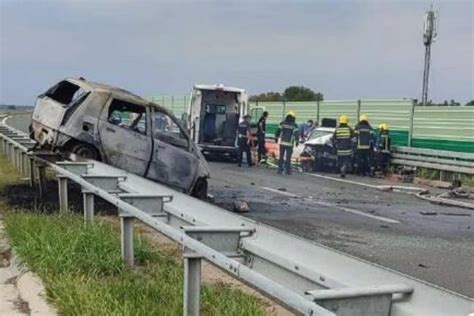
{"x":126,"y":223}
{"x":192,"y":285}
{"x":13,"y":156}
{"x":31,"y":160}
{"x":88,"y":198}
{"x":19,"y":162}
{"x":42,"y":180}
{"x":24,"y":167}
{"x":62,"y":188}
{"x":412,"y":115}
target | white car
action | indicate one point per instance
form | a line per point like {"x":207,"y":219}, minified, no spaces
{"x":319,"y":145}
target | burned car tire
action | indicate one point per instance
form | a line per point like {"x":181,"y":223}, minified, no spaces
{"x":200,"y":189}
{"x":85,"y":151}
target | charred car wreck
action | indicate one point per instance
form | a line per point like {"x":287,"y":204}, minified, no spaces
{"x":102,"y":122}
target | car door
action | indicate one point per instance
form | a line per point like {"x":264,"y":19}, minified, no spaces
{"x":124,"y":129}
{"x":173,"y":163}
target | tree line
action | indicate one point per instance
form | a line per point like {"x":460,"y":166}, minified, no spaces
{"x":301,"y":93}
{"x":292,"y":93}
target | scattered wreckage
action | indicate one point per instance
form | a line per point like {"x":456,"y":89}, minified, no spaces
{"x":106,"y":123}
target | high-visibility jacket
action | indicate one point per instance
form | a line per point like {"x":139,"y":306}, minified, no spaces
{"x":287,"y":133}
{"x":364,"y":133}
{"x":384,"y":142}
{"x":343,"y":139}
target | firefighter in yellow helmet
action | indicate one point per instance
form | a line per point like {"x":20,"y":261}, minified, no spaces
{"x":343,"y":141}
{"x":287,"y":136}
{"x":365,"y":143}
{"x":383,"y":147}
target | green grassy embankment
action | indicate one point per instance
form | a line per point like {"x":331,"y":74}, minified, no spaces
{"x":83,"y":273}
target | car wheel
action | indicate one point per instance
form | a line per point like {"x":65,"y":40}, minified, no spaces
{"x":85,"y":151}
{"x":200,"y":189}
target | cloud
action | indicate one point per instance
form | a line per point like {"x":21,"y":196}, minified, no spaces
{"x":350,"y":50}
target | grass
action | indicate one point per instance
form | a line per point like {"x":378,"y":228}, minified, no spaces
{"x":83,"y":272}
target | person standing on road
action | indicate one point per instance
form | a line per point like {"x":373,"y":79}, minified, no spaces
{"x":364,"y":137}
{"x":383,"y":147}
{"x":243,"y":142}
{"x":287,"y":136}
{"x":343,"y":139}
{"x":261,"y":131}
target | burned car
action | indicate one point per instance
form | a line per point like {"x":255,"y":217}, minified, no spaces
{"x":106,"y":123}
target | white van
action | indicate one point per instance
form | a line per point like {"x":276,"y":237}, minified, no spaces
{"x":213,"y":118}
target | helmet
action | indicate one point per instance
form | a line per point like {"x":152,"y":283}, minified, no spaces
{"x":383,"y":127}
{"x":363,"y":117}
{"x":343,"y":119}
{"x":291,"y":113}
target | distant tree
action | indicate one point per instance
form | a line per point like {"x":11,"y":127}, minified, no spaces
{"x":292,"y":93}
{"x":470,"y":103}
{"x":300,"y":93}
{"x":267,"y":96}
{"x":454,"y":103}
{"x":11,"y":107}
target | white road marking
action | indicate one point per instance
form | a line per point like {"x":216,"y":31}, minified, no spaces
{"x":280,"y":192}
{"x":342,"y":180}
{"x":350,"y":210}
{"x":345,"y":209}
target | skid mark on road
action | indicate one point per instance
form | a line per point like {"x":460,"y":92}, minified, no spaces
{"x":345,"y":209}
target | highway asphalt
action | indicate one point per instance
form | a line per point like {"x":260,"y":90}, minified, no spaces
{"x":388,"y":228}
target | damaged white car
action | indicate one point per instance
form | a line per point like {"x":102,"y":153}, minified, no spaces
{"x":102,"y":122}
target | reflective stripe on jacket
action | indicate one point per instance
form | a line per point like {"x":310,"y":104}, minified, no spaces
{"x":342,"y":136}
{"x":363,"y":131}
{"x":287,"y":133}
{"x":384,"y":142}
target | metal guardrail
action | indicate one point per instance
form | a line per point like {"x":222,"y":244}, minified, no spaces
{"x":307,"y":277}
{"x":434,"y":159}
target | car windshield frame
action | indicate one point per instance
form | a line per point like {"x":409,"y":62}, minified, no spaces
{"x":319,"y":132}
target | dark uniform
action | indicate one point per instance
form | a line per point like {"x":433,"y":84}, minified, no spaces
{"x":343,"y":139}
{"x":288,"y":136}
{"x":383,"y":149}
{"x":243,"y":143}
{"x":364,"y":133}
{"x":261,"y":130}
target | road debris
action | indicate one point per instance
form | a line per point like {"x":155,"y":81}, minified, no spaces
{"x":455,"y":214}
{"x":428,"y":213}
{"x":282,"y":189}
{"x":241,"y":206}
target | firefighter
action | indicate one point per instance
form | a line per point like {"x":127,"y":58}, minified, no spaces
{"x":287,"y":136}
{"x":243,"y":142}
{"x":343,"y":139}
{"x":364,"y":145}
{"x":261,"y":130}
{"x":383,"y":147}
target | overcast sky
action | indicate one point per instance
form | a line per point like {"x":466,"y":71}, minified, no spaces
{"x":345,"y":49}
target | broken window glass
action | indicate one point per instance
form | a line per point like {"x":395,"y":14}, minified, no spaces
{"x":168,"y":131}
{"x":66,"y":93}
{"x":128,"y":115}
